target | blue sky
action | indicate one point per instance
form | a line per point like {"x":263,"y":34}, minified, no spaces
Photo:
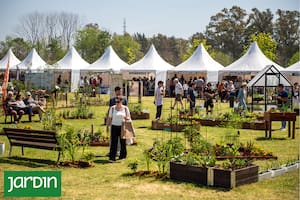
{"x":170,"y":17}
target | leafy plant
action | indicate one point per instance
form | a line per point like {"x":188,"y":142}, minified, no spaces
{"x":133,"y":165}
{"x":71,"y":144}
{"x":147,"y":156}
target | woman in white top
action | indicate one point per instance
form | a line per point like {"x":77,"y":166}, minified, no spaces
{"x":117,"y":114}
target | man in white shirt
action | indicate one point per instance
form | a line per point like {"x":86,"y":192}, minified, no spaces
{"x":159,"y":94}
{"x":178,"y":93}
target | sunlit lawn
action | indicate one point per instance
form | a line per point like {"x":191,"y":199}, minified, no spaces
{"x":109,"y":181}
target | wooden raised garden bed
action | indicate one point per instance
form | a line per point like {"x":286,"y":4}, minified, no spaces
{"x":225,"y":178}
{"x":207,"y":122}
{"x":157,"y":125}
{"x":232,"y":178}
{"x":141,"y":115}
{"x":188,"y":173}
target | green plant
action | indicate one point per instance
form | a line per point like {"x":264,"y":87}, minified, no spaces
{"x":190,"y":132}
{"x":133,"y":165}
{"x":87,"y":156}
{"x":192,"y":159}
{"x":201,"y":147}
{"x":71,"y":143}
{"x":236,"y":163}
{"x":147,"y":156}
{"x":161,"y":152}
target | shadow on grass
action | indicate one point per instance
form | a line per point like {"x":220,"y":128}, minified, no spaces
{"x":266,"y":138}
{"x":28,"y":162}
{"x":102,"y":161}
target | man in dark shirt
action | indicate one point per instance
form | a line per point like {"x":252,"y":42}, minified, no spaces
{"x":112,"y":100}
{"x":191,"y":97}
{"x":209,"y":94}
{"x":282,"y":98}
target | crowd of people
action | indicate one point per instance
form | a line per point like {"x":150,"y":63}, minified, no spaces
{"x":20,"y":105}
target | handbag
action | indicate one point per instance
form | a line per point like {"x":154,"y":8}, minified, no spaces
{"x":127,"y":130}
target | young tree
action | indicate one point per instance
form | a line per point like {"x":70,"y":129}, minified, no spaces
{"x":266,"y":44}
{"x":91,"y":42}
{"x":126,"y":47}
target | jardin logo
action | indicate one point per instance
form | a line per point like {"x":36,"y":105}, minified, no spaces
{"x":32,"y":183}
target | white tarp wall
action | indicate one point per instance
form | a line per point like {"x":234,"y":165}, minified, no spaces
{"x":75,"y":77}
{"x":160,"y":76}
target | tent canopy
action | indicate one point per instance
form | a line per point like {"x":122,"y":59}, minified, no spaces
{"x":72,"y":61}
{"x":295,"y":68}
{"x":32,"y":62}
{"x":200,"y":61}
{"x":269,"y":76}
{"x":151,"y":62}
{"x":13,"y":60}
{"x":108,"y":62}
{"x":252,"y":61}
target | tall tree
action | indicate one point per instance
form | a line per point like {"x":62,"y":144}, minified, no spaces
{"x":31,"y":27}
{"x":194,"y":45}
{"x":126,"y":47}
{"x":225,"y":31}
{"x":20,"y":47}
{"x":143,"y":41}
{"x":260,"y":22}
{"x":295,"y":58}
{"x":69,"y":24}
{"x":91,"y":42}
{"x":266,"y":44}
{"x":287,"y":34}
{"x":53,"y":52}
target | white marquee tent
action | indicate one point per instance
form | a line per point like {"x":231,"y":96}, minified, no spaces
{"x":200,"y":61}
{"x":108,"y":62}
{"x":13,"y":60}
{"x":293,"y":69}
{"x":252,"y":61}
{"x":74,"y":63}
{"x":150,"y":63}
{"x":33,"y":62}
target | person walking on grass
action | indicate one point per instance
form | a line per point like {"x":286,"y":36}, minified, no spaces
{"x":242,"y":95}
{"x":209,"y":94}
{"x":282,"y":100}
{"x":178,"y":93}
{"x":158,"y":101}
{"x":191,"y":97}
{"x":116,"y":115}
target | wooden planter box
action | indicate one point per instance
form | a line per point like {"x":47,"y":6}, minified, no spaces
{"x":255,"y":125}
{"x":206,"y":122}
{"x":103,"y":144}
{"x":157,"y":125}
{"x":296,"y":110}
{"x":139,"y":115}
{"x":229,"y":179}
{"x":188,"y":173}
{"x":180,"y":127}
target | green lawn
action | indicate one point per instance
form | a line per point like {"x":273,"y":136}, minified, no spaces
{"x":111,"y":181}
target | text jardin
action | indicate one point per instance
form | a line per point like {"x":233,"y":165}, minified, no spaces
{"x":32,"y":182}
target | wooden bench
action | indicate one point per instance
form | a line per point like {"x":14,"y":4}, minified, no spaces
{"x":38,"y":139}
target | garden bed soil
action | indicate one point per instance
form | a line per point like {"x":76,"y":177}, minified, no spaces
{"x":157,"y":125}
{"x":76,"y":164}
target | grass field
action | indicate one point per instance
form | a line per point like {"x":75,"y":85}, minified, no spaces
{"x":111,"y":180}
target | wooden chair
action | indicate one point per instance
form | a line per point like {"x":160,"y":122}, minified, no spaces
{"x":6,"y":113}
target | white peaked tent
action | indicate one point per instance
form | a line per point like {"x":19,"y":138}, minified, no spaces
{"x":150,"y":63}
{"x":108,"y":62}
{"x":200,"y":61}
{"x":33,"y":62}
{"x":252,"y":61}
{"x":74,"y":63}
{"x":13,"y":60}
{"x":293,"y":69}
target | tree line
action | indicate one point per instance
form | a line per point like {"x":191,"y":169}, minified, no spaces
{"x":226,"y":37}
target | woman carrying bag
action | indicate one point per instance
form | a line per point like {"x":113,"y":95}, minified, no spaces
{"x":117,"y":114}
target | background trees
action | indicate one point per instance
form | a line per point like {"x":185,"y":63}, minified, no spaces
{"x":228,"y":33}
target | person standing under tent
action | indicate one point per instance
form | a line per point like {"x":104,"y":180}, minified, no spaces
{"x":242,"y":95}
{"x":282,"y":102}
{"x":178,"y":93}
{"x":209,"y":94}
{"x":158,"y":101}
{"x":191,"y":97}
{"x":116,"y":115}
